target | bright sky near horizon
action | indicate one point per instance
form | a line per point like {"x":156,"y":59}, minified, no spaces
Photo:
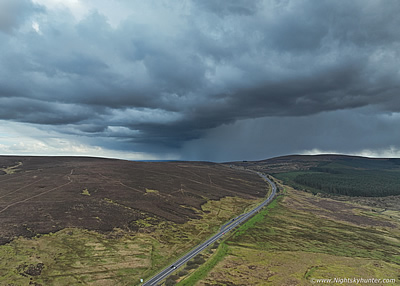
{"x":199,"y":79}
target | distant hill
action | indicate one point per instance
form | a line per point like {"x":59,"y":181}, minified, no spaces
{"x":46,"y":194}
{"x":334,"y":174}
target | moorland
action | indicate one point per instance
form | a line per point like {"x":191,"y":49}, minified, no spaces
{"x":312,"y":231}
{"x":301,"y":238}
{"x":91,"y":221}
{"x":71,"y":220}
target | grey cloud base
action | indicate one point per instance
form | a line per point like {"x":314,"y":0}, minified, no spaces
{"x":169,"y":75}
{"x":347,"y":132}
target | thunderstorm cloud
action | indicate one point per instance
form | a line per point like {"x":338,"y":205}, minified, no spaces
{"x":200,"y":79}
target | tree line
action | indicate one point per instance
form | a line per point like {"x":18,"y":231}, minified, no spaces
{"x":353,"y":182}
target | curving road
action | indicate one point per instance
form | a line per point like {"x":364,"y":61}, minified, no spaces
{"x":224,"y":229}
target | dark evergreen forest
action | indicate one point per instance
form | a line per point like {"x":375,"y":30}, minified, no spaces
{"x":351,"y":177}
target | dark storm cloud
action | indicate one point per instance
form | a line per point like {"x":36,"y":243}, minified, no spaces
{"x":39,"y":112}
{"x":162,"y":79}
{"x":345,"y":131}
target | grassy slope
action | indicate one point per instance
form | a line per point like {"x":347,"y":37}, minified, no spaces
{"x":74,"y":256}
{"x":111,"y":222}
{"x":203,"y":270}
{"x":288,"y":245}
{"x":194,"y":276}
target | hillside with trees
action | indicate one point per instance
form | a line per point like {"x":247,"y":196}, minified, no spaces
{"x":335,"y":174}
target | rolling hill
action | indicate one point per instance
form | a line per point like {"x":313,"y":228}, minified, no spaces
{"x":335,"y":174}
{"x":45,"y":194}
{"x":93,"y":221}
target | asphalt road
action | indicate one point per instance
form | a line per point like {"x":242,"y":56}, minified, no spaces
{"x":224,"y":229}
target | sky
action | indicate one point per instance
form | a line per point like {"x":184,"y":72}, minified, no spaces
{"x":199,"y":79}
